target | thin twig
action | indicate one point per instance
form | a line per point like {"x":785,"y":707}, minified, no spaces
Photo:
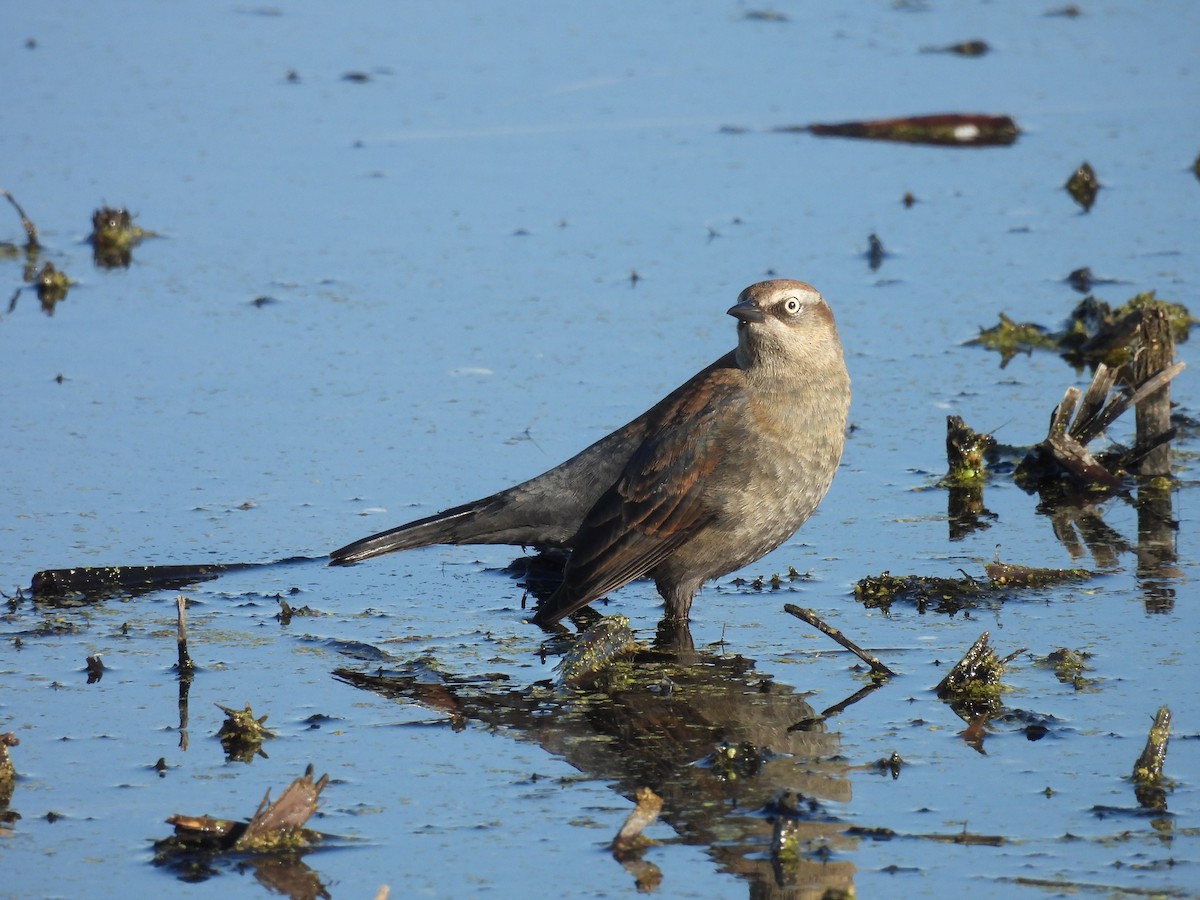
{"x":815,"y":621}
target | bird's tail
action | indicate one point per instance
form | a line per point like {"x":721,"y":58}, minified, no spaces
{"x":460,"y":525}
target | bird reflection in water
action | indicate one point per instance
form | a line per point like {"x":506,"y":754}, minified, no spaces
{"x":745,"y":766}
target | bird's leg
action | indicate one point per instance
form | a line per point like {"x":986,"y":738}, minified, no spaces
{"x":677,"y":599}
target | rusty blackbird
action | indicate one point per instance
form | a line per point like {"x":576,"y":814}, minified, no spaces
{"x":719,"y":472}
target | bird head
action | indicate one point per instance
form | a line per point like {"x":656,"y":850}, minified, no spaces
{"x":785,"y":324}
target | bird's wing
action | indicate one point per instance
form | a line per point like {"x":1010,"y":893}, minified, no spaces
{"x":658,"y":502}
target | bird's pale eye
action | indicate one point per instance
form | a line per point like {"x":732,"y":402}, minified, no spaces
{"x":791,"y":306}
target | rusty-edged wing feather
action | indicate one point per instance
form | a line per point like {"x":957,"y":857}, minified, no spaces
{"x":659,"y":500}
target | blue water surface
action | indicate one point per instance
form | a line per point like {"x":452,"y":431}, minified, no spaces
{"x":515,"y":231}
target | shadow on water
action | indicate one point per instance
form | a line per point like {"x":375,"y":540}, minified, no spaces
{"x":88,"y":584}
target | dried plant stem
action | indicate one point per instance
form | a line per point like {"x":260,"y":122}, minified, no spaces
{"x":816,"y":622}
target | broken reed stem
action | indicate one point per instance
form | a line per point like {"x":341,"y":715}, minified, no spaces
{"x":816,"y":622}
{"x":31,"y":234}
{"x":1156,"y":349}
{"x":185,"y":661}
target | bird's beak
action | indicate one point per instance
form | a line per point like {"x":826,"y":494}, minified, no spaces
{"x":746,"y":311}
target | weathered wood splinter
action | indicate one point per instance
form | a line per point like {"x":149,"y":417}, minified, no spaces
{"x":630,"y":838}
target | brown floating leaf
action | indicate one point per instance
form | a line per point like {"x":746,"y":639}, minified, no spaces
{"x":943,"y":130}
{"x":965,"y":453}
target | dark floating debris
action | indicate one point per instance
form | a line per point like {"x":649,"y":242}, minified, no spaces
{"x":730,"y":762}
{"x":114,"y":236}
{"x":875,"y":252}
{"x":943,"y":130}
{"x":966,"y":452}
{"x":889,"y":764}
{"x":1082,"y":280}
{"x":792,"y":815}
{"x":50,"y":284}
{"x":970,"y":457}
{"x":765,"y":15}
{"x":1083,"y":186}
{"x":952,"y":595}
{"x":1069,"y":666}
{"x":963,"y":48}
{"x":973,"y":686}
{"x":51,"y":287}
{"x":1007,"y":575}
{"x":241,"y":734}
{"x":1094,"y":331}
{"x":286,"y":611}
{"x":1009,"y":337}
